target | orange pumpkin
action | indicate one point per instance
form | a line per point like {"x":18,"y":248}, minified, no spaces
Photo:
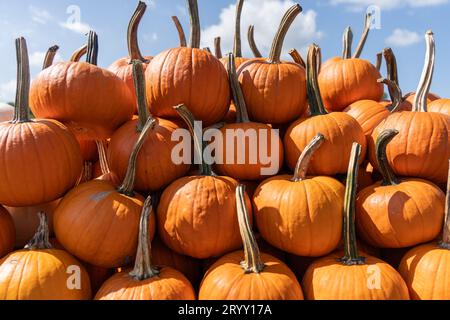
{"x":41,"y":159}
{"x":300,"y":215}
{"x":174,"y":75}
{"x":146,"y":281}
{"x":40,"y":272}
{"x":274,"y":91}
{"x":91,"y":101}
{"x":7,"y":232}
{"x":339,"y":129}
{"x":440,"y":106}
{"x":352,"y":277}
{"x":257,"y":277}
{"x":88,"y":149}
{"x":252,"y":42}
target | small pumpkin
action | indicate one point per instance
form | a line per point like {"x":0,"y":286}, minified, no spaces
{"x":7,"y":232}
{"x":440,"y":106}
{"x":252,"y":42}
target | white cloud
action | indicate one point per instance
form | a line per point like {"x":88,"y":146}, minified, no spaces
{"x":38,"y":15}
{"x":266,"y":16}
{"x":78,"y":27}
{"x":403,"y":38}
{"x":8,"y":91}
{"x":357,"y":5}
{"x":37,"y":58}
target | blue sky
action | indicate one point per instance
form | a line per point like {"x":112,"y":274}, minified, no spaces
{"x":403,"y":25}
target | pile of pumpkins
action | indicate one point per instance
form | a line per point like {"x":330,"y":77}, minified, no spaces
{"x":90,"y":192}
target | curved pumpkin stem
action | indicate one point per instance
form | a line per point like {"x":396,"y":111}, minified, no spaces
{"x":194,"y":41}
{"x":396,"y":94}
{"x":301,"y":169}
{"x":218,"y":48}
{"x":180,"y":30}
{"x":50,"y":56}
{"x":132,"y":34}
{"x":139,"y":87}
{"x":92,"y":48}
{"x":392,"y":70}
{"x":237,"y":48}
{"x":316,"y":105}
{"x":445,"y":243}
{"x":351,"y":254}
{"x":40,"y":240}
{"x":238,"y":96}
{"x":22,"y":107}
{"x":379,"y":61}
{"x":102,"y":157}
{"x":76,"y":56}
{"x":389,"y":178}
{"x":86,"y":174}
{"x":297,"y":57}
{"x":252,"y":262}
{"x":252,"y":42}
{"x":347,"y":41}
{"x":420,"y":101}
{"x":143,"y":268}
{"x":286,"y":22}
{"x":365,"y":34}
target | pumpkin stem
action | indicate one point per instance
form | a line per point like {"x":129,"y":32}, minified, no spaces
{"x":218,"y":48}
{"x":180,"y":31}
{"x":420,"y":101}
{"x":252,"y":42}
{"x":197,"y":136}
{"x":301,"y":169}
{"x":22,"y":108}
{"x":365,"y":34}
{"x":347,"y":41}
{"x":127,"y":185}
{"x":102,"y":158}
{"x":286,"y":22}
{"x":315,"y":99}
{"x":237,"y":48}
{"x":86,"y":174}
{"x":379,"y":61}
{"x":143,"y":268}
{"x":92,"y":48}
{"x":194,"y":41}
{"x":40,"y":240}
{"x":76,"y":56}
{"x":351,"y":254}
{"x":445,"y":243}
{"x":139,"y":87}
{"x":386,"y":171}
{"x":392,"y":70}
{"x":207,"y":49}
{"x":238,"y":96}
{"x":395,"y":92}
{"x":252,"y":262}
{"x":50,"y":56}
{"x":132,"y":33}
{"x":297,"y":57}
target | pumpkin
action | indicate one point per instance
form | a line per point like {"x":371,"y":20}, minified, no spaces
{"x":258,"y":277}
{"x":440,"y":106}
{"x":274,"y":91}
{"x":428,"y":130}
{"x":91,"y":101}
{"x":218,"y":48}
{"x":39,"y":272}
{"x":197,"y":214}
{"x":7,"y":232}
{"x":300,"y":215}
{"x":123,"y":67}
{"x":41,"y":159}
{"x":98,"y":276}
{"x":175,"y":74}
{"x":88,"y":149}
{"x":146,"y":281}
{"x":267,"y":146}
{"x":50,"y":56}
{"x":352,"y":277}
{"x":252,"y":42}
{"x":339,"y":129}
{"x":99,"y":222}
{"x":346,"y":80}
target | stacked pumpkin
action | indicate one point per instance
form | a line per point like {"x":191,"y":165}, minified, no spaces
{"x":93,"y":194}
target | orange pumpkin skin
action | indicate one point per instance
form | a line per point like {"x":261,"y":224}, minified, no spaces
{"x":296,"y":216}
{"x":7,"y":232}
{"x":417,"y":151}
{"x":154,"y":168}
{"x":408,"y":103}
{"x":440,"y":106}
{"x":273,"y":92}
{"x":88,"y":149}
{"x":41,"y":155}
{"x":193,"y":77}
{"x":226,"y":280}
{"x":345,"y":81}
{"x":340,"y":131}
{"x":231,"y":115}
{"x":194,"y":210}
{"x":368,"y":113}
{"x":168,"y":285}
{"x":41,"y":275}
{"x":99,"y":225}
{"x":426,"y":272}
{"x":323,"y":276}
{"x":237,"y":60}
{"x":91,"y":101}
{"x":98,"y":275}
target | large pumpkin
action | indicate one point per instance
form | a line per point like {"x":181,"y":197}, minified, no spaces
{"x":7,"y":232}
{"x":41,"y":159}
{"x":440,"y":106}
{"x":248,"y":274}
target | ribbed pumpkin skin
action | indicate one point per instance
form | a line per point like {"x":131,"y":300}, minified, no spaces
{"x":340,"y":131}
{"x":238,"y":61}
{"x":401,"y":215}
{"x":274,"y":92}
{"x":419,"y":148}
{"x":91,"y":101}
{"x":99,"y":225}
{"x":197,"y":216}
{"x":193,"y":77}
{"x":426,"y":271}
{"x":368,"y":113}
{"x":154,"y":168}
{"x":302,"y":218}
{"x":40,"y":161}
{"x":226,"y":280}
{"x":407,"y":104}
{"x":88,"y":149}
{"x":168,"y":285}
{"x":345,"y":81}
{"x":41,"y":275}
{"x":7,"y":232}
{"x":440,"y":106}
{"x":327,"y":279}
